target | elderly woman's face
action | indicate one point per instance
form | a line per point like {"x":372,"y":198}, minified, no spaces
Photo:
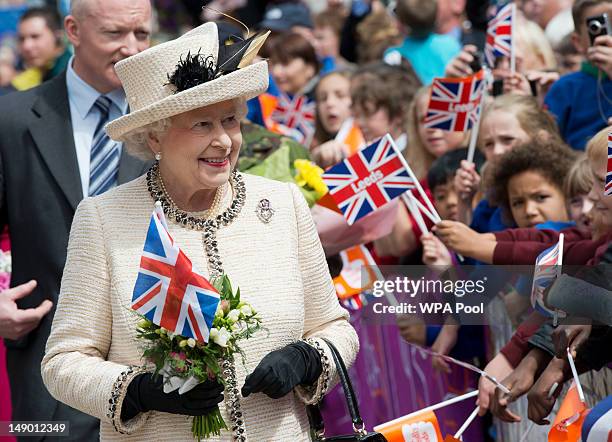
{"x":201,"y":146}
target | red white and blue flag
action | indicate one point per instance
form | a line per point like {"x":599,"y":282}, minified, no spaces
{"x":454,"y":103}
{"x":608,"y":185}
{"x":368,"y":179}
{"x":499,"y":35}
{"x":296,"y":116}
{"x":547,"y":268}
{"x":169,"y":291}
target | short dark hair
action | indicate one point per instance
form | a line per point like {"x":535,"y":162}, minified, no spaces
{"x":418,"y":15}
{"x":50,"y":15}
{"x":444,"y":168}
{"x":578,"y":9}
{"x":552,"y":160}
{"x":289,"y":46}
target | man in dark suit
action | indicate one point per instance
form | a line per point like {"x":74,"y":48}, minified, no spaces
{"x":54,"y":152}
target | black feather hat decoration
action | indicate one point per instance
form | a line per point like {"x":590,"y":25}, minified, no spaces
{"x":198,"y":69}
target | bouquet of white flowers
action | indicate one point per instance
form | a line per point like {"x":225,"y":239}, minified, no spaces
{"x":185,"y":362}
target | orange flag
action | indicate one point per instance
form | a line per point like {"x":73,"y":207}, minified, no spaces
{"x":450,"y":438}
{"x":568,"y":422}
{"x":350,"y":135}
{"x":350,"y":281}
{"x":422,"y":427}
{"x":328,"y":202}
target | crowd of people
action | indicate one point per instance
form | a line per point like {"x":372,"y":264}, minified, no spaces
{"x":76,"y":205}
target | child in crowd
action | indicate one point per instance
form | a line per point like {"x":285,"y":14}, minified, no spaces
{"x":326,"y":41}
{"x":427,"y":52}
{"x":578,"y":183}
{"x":507,"y":121}
{"x":580,"y":101}
{"x":569,"y":59}
{"x":522,"y":246}
{"x":333,"y":105}
{"x":381,"y":95}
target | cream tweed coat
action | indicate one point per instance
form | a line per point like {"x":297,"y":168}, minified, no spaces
{"x":280,"y":269}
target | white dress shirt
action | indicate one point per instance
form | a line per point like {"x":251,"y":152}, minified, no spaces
{"x":82,"y":97}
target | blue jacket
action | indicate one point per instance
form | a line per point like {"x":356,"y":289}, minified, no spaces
{"x":580,"y":111}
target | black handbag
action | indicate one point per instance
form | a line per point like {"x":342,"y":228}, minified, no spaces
{"x":316,"y":420}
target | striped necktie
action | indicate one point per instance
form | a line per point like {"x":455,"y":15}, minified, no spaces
{"x":104,"y":157}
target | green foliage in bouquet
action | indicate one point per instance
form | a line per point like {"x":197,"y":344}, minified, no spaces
{"x":175,"y":355}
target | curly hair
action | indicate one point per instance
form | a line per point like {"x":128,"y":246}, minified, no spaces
{"x":552,"y":160}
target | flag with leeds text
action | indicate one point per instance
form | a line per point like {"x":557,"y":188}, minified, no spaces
{"x":608,"y":186}
{"x":498,"y":41}
{"x":368,"y":179}
{"x":168,"y":290}
{"x":454,"y":103}
{"x":568,"y":421}
{"x":547,"y":268}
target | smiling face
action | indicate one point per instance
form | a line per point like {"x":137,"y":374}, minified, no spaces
{"x":500,"y":132}
{"x":105,"y":33}
{"x":200,"y":148}
{"x":333,"y":98}
{"x":436,"y":141}
{"x":533,"y":199}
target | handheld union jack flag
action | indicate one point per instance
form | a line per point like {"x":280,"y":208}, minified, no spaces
{"x":168,"y":291}
{"x":368,"y":179}
{"x":296,"y":117}
{"x":499,"y":35}
{"x":608,"y":186}
{"x":454,"y":104}
{"x":547,"y":268}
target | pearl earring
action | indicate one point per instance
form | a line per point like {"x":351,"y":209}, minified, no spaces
{"x":158,"y":156}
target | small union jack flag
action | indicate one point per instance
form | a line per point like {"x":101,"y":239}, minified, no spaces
{"x":608,"y":186}
{"x":368,"y":179}
{"x":296,"y":116}
{"x":547,"y":268}
{"x":454,"y":103}
{"x":499,"y":35}
{"x":169,"y":291}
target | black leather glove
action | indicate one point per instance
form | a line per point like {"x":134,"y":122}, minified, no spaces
{"x":281,"y":370}
{"x":146,"y":393}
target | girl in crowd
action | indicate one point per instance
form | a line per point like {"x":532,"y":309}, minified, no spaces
{"x":333,"y":108}
{"x":507,"y":121}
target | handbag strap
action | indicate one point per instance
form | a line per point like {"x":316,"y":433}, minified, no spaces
{"x":347,"y":386}
{"x":313,"y":411}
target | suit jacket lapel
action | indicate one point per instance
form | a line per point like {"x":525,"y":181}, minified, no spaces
{"x":51,"y":129}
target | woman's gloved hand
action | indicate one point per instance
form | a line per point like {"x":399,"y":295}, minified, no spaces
{"x":281,"y":370}
{"x":146,"y":393}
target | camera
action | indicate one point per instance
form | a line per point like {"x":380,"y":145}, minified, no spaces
{"x":476,"y":64}
{"x":598,"y":25}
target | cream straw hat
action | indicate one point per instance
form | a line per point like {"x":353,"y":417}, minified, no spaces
{"x":145,"y":79}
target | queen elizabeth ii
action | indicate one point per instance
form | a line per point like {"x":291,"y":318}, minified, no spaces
{"x":187,"y":98}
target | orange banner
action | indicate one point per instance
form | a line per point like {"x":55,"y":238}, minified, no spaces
{"x":349,"y":282}
{"x":423,"y":427}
